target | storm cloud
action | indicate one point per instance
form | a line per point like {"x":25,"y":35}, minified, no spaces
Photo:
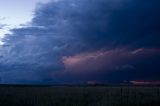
{"x":78,"y":38}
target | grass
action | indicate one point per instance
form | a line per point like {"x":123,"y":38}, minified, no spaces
{"x":79,"y":96}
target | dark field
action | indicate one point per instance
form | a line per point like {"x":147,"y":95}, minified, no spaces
{"x":79,"y":96}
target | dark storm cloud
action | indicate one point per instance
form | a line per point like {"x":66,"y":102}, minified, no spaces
{"x":137,"y":23}
{"x":104,"y":23}
{"x":67,"y":31}
{"x":85,"y":21}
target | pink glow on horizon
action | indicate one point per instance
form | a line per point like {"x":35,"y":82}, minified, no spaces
{"x":145,"y":82}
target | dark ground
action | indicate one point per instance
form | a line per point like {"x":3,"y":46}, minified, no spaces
{"x":79,"y":96}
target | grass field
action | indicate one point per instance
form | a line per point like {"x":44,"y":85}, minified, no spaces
{"x":79,"y":96}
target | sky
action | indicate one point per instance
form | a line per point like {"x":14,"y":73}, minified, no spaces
{"x":79,"y":41}
{"x":16,"y":12}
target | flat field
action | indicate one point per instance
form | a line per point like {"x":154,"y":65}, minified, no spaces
{"x":79,"y":96}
